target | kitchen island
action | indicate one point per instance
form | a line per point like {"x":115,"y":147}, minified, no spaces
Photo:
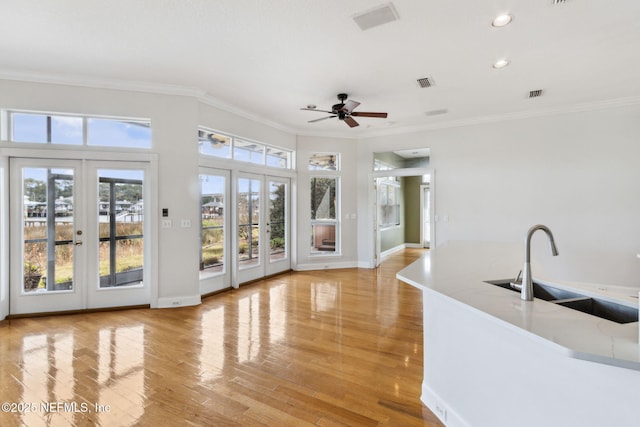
{"x":492,"y":359}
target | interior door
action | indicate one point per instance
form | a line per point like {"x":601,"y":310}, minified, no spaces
{"x":77,"y":235}
{"x":47,"y":235}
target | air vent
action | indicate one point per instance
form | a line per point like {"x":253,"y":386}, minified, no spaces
{"x":375,"y":17}
{"x":559,"y":1}
{"x":535,"y":93}
{"x":425,"y":82}
{"x":437,"y":112}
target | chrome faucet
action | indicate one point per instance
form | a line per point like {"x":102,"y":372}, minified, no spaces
{"x":526,"y":287}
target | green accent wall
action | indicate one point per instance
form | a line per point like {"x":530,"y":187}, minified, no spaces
{"x":411,"y":196}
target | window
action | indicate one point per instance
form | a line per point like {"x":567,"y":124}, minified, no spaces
{"x":59,"y":129}
{"x":324,"y":162}
{"x":388,"y":200}
{"x":246,"y":151}
{"x":324,"y":215}
{"x":212,"y":190}
{"x":216,"y":144}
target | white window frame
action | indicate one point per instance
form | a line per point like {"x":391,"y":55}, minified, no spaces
{"x":6,"y":118}
{"x":232,"y":148}
{"x":387,"y":185}
{"x":334,"y":221}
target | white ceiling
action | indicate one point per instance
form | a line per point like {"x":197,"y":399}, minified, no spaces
{"x":267,"y":59}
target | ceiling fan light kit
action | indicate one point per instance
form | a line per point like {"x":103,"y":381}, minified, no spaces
{"x":344,"y":111}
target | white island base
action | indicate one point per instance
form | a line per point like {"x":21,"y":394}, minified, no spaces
{"x":491,"y":359}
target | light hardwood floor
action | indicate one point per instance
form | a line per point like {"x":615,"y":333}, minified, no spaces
{"x":335,"y":347}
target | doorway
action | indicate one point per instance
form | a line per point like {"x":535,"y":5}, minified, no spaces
{"x":262,"y":227}
{"x":407,"y":211}
{"x":78,"y":234}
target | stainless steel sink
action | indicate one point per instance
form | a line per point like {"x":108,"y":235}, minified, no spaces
{"x":594,"y":306}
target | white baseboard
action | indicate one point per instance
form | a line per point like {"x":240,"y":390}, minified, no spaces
{"x":179,"y":301}
{"x":325,"y":266}
{"x":441,"y":409}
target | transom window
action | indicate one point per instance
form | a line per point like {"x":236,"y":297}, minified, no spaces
{"x":324,"y":162}
{"x":216,"y":144}
{"x":64,"y":129}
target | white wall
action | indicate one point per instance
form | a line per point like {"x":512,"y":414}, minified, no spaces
{"x":575,"y":172}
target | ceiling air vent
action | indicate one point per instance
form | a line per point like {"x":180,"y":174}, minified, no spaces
{"x":437,"y":112}
{"x":535,"y":93}
{"x":559,"y":1}
{"x":375,"y":17}
{"x":425,"y":82}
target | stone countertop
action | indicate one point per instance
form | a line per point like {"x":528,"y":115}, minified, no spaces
{"x":459,"y":269}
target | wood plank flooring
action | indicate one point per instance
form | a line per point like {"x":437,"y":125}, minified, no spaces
{"x":324,"y":348}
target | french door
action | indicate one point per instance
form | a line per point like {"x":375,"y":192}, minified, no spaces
{"x":215,"y":271}
{"x":262,"y":226}
{"x":77,"y":235}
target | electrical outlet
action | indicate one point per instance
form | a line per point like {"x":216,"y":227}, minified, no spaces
{"x":166,"y":223}
{"x":176,"y":303}
{"x":442,"y":412}
{"x":185,"y":223}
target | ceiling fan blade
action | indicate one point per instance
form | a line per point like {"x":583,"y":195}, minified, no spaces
{"x":322,"y":118}
{"x":363,"y":114}
{"x":320,"y":111}
{"x":351,"y":122}
{"x":349,"y":106}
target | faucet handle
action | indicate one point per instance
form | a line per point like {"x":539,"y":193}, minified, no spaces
{"x":518,"y":277}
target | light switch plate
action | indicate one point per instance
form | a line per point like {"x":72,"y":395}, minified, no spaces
{"x":166,"y":223}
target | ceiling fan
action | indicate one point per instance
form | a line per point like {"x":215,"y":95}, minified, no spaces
{"x":344,"y":111}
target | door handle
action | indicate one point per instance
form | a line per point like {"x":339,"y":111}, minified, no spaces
{"x":78,"y":243}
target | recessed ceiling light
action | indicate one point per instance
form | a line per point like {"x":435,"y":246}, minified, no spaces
{"x":502,"y":20}
{"x":501,"y":63}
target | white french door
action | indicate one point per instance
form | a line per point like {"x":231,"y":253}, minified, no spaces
{"x":215,"y":244}
{"x":262,"y":226}
{"x":77,"y":235}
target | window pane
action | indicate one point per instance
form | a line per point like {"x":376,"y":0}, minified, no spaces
{"x":323,"y":162}
{"x":29,"y":127}
{"x":66,"y":130}
{"x":323,"y":237}
{"x":248,"y":222}
{"x":118,"y":133}
{"x":212,"y":201}
{"x":277,"y":221}
{"x":323,"y":198}
{"x":121,"y":227}
{"x":247,"y":151}
{"x":214,"y":144}
{"x":278,"y":158}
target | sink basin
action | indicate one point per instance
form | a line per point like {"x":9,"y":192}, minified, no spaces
{"x":618,"y":313}
{"x":542,"y":292}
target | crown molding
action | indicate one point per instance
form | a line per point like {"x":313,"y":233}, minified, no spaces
{"x":496,"y":118}
{"x":97,"y":83}
{"x":208,"y":99}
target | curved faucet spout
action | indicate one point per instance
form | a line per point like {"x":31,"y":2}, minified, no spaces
{"x":527,"y":284}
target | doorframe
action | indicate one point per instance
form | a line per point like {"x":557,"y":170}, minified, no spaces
{"x":373,"y":196}
{"x":60,"y":153}
{"x":424,"y":187}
